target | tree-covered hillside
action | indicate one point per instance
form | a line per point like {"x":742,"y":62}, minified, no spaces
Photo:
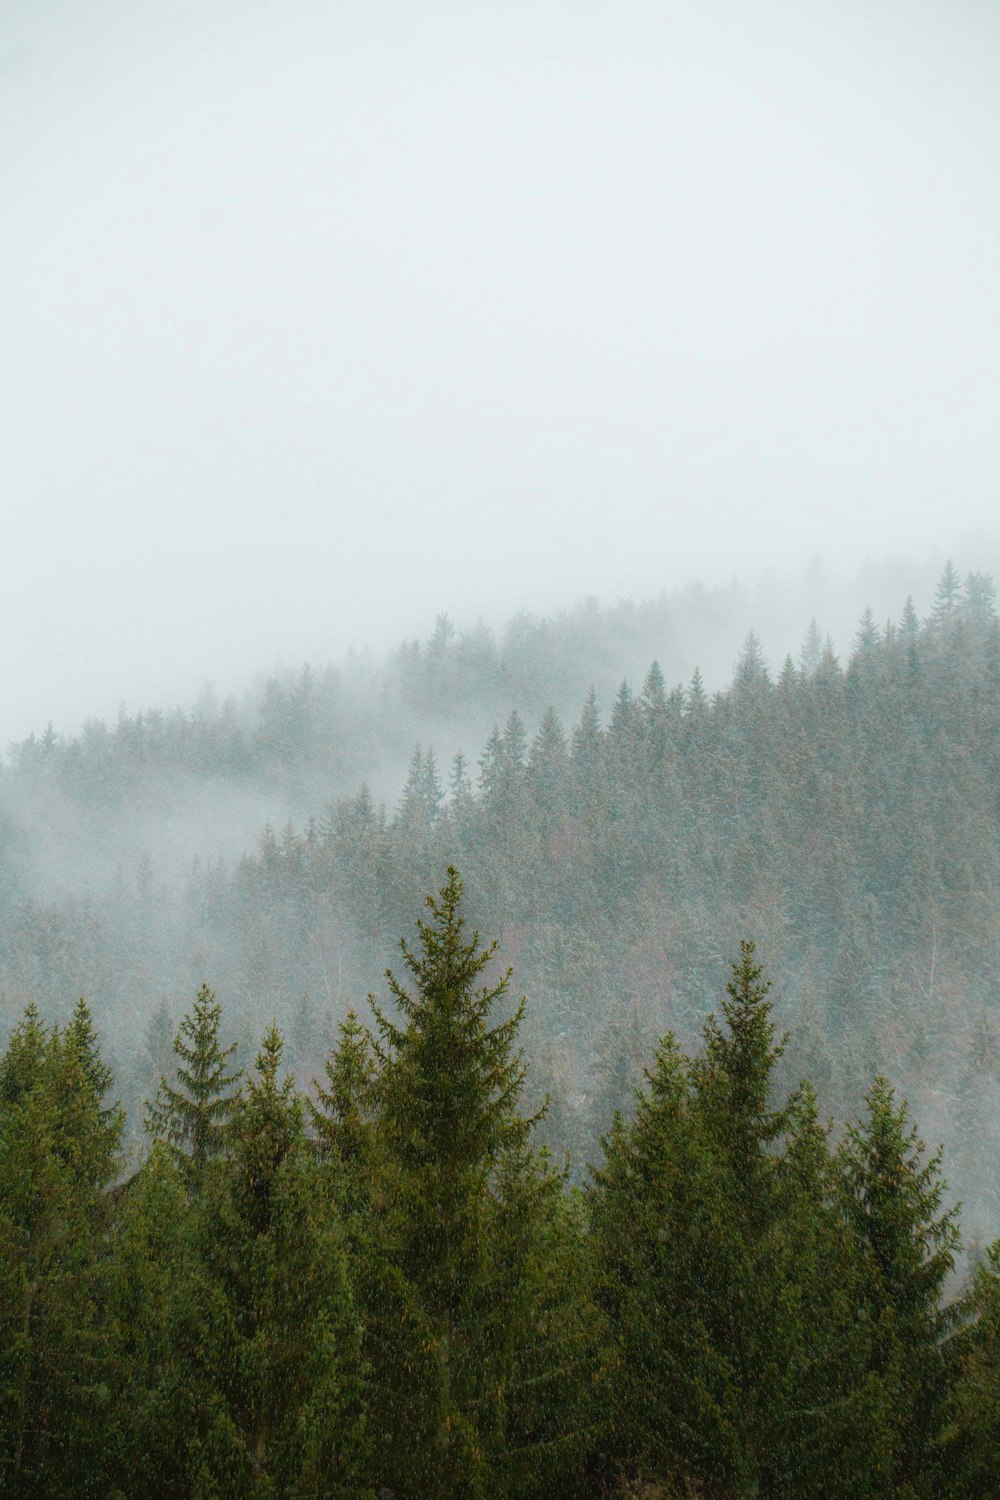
{"x":844,"y":814}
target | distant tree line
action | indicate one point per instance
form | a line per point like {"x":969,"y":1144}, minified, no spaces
{"x":385,"y":1287}
{"x":299,"y":730}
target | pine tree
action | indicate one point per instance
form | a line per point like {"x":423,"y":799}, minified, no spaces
{"x":588,"y":742}
{"x":156,"y":1310}
{"x":81,"y":1045}
{"x":515,"y":741}
{"x":947,"y":600}
{"x":653,"y":700}
{"x":751,"y":676}
{"x":669,"y":1390}
{"x":469,"y":1223}
{"x":59,"y":1150}
{"x":812,"y":650}
{"x":972,"y":1454}
{"x":733,"y":1079}
{"x":23,"y":1062}
{"x":547,"y":772}
{"x":461,"y":801}
{"x":909,"y":1245}
{"x":422,"y":793}
{"x":345,"y":1101}
{"x":723,"y":1262}
{"x":280,"y":1360}
{"x":192,"y":1118}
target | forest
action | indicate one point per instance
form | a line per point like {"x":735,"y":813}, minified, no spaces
{"x":383,"y":1286}
{"x":644,"y":1232}
{"x":845,"y":816}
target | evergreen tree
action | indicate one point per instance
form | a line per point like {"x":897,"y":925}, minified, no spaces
{"x":345,"y":1101}
{"x":653,"y":699}
{"x":461,"y":800}
{"x":192,"y":1117}
{"x":972,"y":1455}
{"x":59,"y":1150}
{"x":515,"y":741}
{"x":909,"y":1244}
{"x":669,"y":1391}
{"x":22,"y":1063}
{"x":724,"y":1265}
{"x":812,"y":650}
{"x":156,"y":1321}
{"x":469,"y":1219}
{"x":947,"y":600}
{"x":81,"y":1045}
{"x":751,"y":675}
{"x":422,"y":793}
{"x":280,"y":1360}
{"x":548,"y":770}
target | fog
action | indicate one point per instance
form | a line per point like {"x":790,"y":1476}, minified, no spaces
{"x":321,"y":319}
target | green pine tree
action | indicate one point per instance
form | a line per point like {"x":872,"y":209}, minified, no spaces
{"x":59,"y":1151}
{"x":723,"y":1262}
{"x":155,"y":1322}
{"x":477,"y":1310}
{"x":342,"y":1116}
{"x":895,"y":1193}
{"x":282,"y":1355}
{"x":192,"y":1118}
{"x":972,"y":1456}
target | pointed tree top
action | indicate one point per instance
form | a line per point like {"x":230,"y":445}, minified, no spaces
{"x":192,"y":1117}
{"x":449,"y":1080}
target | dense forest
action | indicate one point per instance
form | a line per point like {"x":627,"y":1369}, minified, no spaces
{"x":641,"y":1233}
{"x":382,"y":1286}
{"x":844,"y":815}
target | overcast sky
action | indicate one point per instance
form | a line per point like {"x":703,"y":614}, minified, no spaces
{"x":319,"y":318}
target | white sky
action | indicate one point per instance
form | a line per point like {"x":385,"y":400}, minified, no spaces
{"x":319,"y":318}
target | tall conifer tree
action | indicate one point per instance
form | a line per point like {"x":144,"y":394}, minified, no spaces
{"x":472,"y":1243}
{"x":192,"y":1117}
{"x":723,"y":1262}
{"x":59,"y":1151}
{"x":909,"y":1243}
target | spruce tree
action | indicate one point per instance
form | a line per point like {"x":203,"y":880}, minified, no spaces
{"x":972,"y":1454}
{"x":156,"y":1308}
{"x":723,"y":1263}
{"x":104,"y":1136}
{"x":341,"y":1118}
{"x":22,"y":1063}
{"x":669,"y":1390}
{"x":908,"y":1241}
{"x":59,"y":1151}
{"x":279,"y":1362}
{"x":471,"y":1244}
{"x":192,"y":1117}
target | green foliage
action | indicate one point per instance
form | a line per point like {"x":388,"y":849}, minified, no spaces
{"x":192,"y":1117}
{"x":238,"y":1345}
{"x":405,"y":1298}
{"x":282,"y":1363}
{"x":483,"y":1315}
{"x":726,"y":1271}
{"x":972,"y":1455}
{"x":909,"y":1244}
{"x":155,"y":1315}
{"x":59,"y":1143}
{"x":342,"y":1115}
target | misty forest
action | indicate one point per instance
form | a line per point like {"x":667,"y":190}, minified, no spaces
{"x":471,"y":1074}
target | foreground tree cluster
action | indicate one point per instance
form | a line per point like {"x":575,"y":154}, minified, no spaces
{"x":387,"y":1289}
